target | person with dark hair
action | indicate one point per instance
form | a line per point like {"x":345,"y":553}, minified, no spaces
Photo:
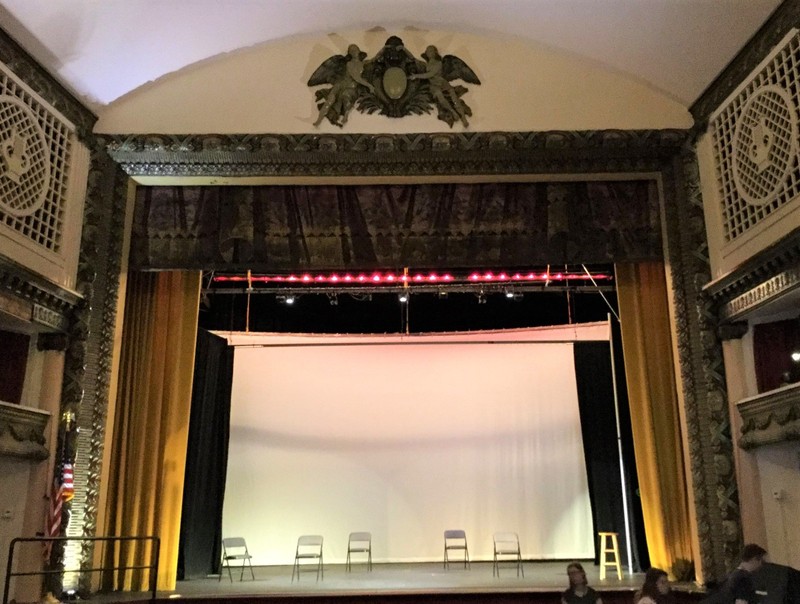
{"x":655,"y":589}
{"x":739,"y":587}
{"x":579,"y":591}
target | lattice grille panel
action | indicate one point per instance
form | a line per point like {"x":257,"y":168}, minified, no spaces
{"x":35,"y":149}
{"x":755,"y":139}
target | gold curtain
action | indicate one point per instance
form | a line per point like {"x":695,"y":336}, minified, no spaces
{"x":152,"y":424}
{"x":649,"y":369}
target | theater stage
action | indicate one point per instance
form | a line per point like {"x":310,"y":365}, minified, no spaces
{"x":400,"y":583}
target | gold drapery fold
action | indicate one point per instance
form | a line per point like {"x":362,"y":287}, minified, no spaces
{"x":655,"y":418}
{"x":152,"y":424}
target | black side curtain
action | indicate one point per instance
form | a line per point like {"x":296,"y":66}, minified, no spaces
{"x":593,"y":370}
{"x":206,"y":459}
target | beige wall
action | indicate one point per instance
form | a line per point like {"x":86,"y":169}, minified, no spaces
{"x":23,"y":483}
{"x":779,"y":469}
{"x":263,"y":90}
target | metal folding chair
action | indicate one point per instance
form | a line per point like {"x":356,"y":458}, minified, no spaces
{"x":235,"y":548}
{"x":309,"y":547}
{"x":455,"y":540}
{"x":506,"y":547}
{"x":359,"y":543}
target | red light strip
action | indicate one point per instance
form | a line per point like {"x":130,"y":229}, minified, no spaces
{"x":389,"y":278}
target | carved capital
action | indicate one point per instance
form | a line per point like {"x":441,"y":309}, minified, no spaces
{"x":732,"y":331}
{"x":22,"y":432}
{"x":52,"y":341}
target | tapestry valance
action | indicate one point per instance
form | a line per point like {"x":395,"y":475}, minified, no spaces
{"x":382,"y":226}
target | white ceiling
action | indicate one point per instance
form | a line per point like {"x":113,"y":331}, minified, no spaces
{"x":104,"y":49}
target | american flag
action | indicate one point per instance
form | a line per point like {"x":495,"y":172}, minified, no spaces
{"x":63,"y":491}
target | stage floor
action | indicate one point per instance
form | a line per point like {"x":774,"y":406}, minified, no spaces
{"x":392,"y":580}
{"x":402,"y":578}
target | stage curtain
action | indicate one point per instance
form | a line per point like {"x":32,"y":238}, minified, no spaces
{"x":652,"y":393}
{"x":359,"y":227}
{"x":593,"y":374}
{"x":151,"y":424}
{"x":207,"y":458}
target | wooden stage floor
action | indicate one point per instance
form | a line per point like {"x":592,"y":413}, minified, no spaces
{"x":543,"y":582}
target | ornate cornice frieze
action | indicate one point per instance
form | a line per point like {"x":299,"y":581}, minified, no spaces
{"x":771,"y":417}
{"x":50,"y":305}
{"x":761,"y":279}
{"x":46,"y":86}
{"x":22,"y":432}
{"x":785,"y":17}
{"x":762,"y":294}
{"x":473,"y":153}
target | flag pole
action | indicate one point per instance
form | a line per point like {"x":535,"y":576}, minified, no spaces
{"x":55,"y":513}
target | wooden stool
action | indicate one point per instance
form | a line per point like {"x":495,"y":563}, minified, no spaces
{"x":609,"y":547}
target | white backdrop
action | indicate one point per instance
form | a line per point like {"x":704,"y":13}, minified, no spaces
{"x":406,"y":436}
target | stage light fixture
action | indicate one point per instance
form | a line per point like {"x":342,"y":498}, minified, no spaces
{"x":481,"y":298}
{"x":509,"y":294}
{"x":403,"y":297}
{"x":796,"y":356}
{"x":333,"y":299}
{"x":289,"y":300}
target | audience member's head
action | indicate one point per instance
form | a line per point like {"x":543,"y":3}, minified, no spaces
{"x":576,"y":574}
{"x":752,"y":557}
{"x":656,"y":584}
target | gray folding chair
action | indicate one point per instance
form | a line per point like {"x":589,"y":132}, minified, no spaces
{"x":235,"y":548}
{"x":506,"y":548}
{"x":359,"y":543}
{"x":309,"y":547}
{"x":455,"y":540}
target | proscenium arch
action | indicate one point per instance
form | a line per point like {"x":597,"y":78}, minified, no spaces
{"x":664,"y":156}
{"x":220,"y":159}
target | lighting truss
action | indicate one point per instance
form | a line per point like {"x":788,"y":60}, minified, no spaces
{"x":442,"y":283}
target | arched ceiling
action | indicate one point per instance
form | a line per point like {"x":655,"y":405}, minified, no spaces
{"x":104,"y":49}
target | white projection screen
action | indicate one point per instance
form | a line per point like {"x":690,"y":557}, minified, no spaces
{"x":406,"y":436}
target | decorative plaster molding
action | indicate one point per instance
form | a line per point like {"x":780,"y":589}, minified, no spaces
{"x":702,"y":372}
{"x":785,"y":17}
{"x":22,"y":432}
{"x":47,"y":304}
{"x":349,"y":155}
{"x":87,"y":371}
{"x":764,"y":278}
{"x":771,"y":417}
{"x":762,"y":294}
